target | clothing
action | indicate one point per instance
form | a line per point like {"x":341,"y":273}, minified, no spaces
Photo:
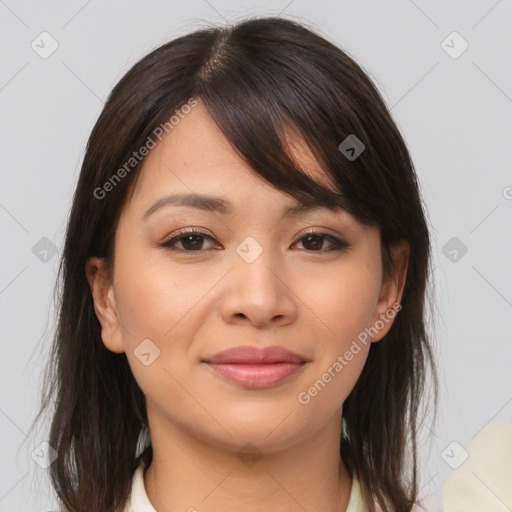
{"x":139,"y":501}
{"x":481,"y":478}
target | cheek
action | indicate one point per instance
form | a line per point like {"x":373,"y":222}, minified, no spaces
{"x":343,"y":302}
{"x":166,"y":303}
{"x":343,"y":308}
{"x":157,"y":302}
{"x":154,"y":298}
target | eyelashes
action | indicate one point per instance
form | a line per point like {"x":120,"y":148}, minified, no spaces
{"x":188,"y":237}
{"x":193,"y":241}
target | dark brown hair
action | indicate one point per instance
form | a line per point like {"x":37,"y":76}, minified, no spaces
{"x":257,"y":78}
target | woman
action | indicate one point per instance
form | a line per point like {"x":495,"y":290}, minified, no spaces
{"x":242,"y":317}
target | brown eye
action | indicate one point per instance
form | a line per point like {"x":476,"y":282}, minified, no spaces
{"x":314,"y":242}
{"x":190,"y":241}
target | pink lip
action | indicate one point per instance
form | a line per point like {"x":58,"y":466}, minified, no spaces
{"x":256,"y":368}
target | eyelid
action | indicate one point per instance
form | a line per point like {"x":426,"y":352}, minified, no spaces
{"x":337,"y":241}
{"x":167,"y":242}
{"x":185,"y":231}
{"x":319,"y":231}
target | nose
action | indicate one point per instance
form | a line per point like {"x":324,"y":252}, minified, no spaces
{"x":259,"y":292}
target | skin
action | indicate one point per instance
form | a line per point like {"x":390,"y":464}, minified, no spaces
{"x":194,"y":304}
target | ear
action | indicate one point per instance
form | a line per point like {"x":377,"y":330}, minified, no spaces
{"x":104,"y":304}
{"x":391,"y":291}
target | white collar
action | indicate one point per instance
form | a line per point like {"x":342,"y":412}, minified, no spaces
{"x":139,"y":501}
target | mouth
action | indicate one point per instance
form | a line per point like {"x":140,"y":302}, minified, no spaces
{"x":256,"y":368}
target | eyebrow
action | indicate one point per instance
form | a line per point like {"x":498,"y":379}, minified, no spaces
{"x":217,"y":204}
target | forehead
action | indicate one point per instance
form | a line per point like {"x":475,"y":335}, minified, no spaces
{"x":195,"y":159}
{"x":195,"y":166}
{"x":195,"y":151}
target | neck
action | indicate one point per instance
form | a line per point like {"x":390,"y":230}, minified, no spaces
{"x":192,"y":474}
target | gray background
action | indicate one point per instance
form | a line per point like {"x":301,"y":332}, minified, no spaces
{"x":455,"y":114}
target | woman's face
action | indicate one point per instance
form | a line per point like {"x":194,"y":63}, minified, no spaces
{"x":253,"y":277}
